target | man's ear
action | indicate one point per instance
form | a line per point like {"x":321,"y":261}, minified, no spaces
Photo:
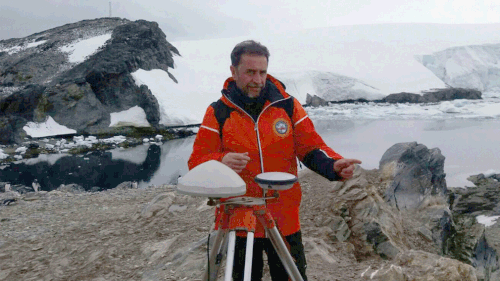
{"x":233,"y":71}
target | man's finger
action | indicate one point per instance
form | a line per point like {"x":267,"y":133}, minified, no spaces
{"x":350,"y":168}
{"x":352,"y":161}
{"x":242,"y":156}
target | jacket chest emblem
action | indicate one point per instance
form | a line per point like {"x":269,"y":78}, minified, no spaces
{"x":281,"y":127}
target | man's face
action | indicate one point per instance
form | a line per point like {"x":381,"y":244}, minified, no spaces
{"x":250,"y":75}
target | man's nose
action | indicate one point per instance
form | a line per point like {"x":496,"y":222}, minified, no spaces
{"x":257,"y":78}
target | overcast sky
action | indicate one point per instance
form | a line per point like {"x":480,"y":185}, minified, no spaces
{"x":201,"y":19}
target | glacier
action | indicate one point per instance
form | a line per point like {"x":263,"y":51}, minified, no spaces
{"x":473,"y":66}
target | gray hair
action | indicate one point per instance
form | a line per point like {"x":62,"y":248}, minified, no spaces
{"x":248,"y":47}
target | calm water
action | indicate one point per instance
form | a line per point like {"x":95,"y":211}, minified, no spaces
{"x":470,"y":147}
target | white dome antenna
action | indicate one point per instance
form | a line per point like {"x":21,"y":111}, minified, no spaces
{"x":212,"y":179}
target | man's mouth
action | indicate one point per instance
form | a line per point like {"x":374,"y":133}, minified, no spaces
{"x":255,"y":87}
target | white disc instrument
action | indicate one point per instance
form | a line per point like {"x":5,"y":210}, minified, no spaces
{"x":276,"y":180}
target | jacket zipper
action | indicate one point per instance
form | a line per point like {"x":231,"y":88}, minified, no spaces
{"x":256,"y":128}
{"x":257,"y":131}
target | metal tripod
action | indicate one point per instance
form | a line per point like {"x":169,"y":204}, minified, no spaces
{"x":241,"y":214}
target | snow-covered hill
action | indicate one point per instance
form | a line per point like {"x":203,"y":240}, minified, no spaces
{"x":336,"y":63}
{"x":474,"y":66}
{"x":328,"y":85}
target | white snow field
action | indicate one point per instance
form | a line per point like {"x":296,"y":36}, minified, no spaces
{"x":49,"y":128}
{"x":134,"y":116}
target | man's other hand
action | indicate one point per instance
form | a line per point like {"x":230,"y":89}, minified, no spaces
{"x":236,"y":161}
{"x":345,"y":167}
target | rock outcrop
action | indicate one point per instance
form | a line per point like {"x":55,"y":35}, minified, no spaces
{"x":432,"y":96}
{"x":422,"y":266}
{"x":315,"y":101}
{"x":418,"y":173}
{"x":436,"y":95}
{"x":40,"y":78}
{"x":474,"y":242}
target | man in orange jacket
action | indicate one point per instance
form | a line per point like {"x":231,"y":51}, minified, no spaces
{"x":256,"y":127}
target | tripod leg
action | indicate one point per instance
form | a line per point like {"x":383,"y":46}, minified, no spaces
{"x":249,"y":257}
{"x":215,"y":257}
{"x":230,"y":256}
{"x":284,"y":255}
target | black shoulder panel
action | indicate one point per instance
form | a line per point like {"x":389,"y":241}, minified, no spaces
{"x":287,"y":105}
{"x":222,"y":112}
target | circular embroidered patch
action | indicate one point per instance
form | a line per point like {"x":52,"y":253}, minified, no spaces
{"x":281,"y":127}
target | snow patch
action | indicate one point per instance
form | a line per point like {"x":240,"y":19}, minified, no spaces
{"x":48,"y":128}
{"x":448,"y":107}
{"x":21,"y":149}
{"x":34,"y":44}
{"x":3,"y":155}
{"x":17,"y":49}
{"x":80,"y":50}
{"x":487,"y":221}
{"x":178,"y":104}
{"x":11,"y":50}
{"x":490,"y":173}
{"x":134,"y":116}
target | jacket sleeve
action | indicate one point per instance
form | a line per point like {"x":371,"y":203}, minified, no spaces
{"x":311,"y":149}
{"x":207,"y":145}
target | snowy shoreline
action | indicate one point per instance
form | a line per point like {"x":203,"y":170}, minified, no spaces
{"x":55,"y":142}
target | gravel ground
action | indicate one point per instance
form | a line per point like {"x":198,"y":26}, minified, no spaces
{"x":135,"y":234}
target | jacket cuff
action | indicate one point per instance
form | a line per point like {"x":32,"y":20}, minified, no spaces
{"x":222,"y":156}
{"x":319,"y":162}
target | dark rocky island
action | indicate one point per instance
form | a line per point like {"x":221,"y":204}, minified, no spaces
{"x":41,"y":81}
{"x":431,"y":96}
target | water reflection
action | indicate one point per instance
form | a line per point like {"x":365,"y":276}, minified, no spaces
{"x":94,"y":171}
{"x":470,"y":147}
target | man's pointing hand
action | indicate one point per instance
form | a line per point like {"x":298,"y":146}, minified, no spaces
{"x":345,"y":167}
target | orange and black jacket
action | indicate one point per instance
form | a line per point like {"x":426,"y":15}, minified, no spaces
{"x":274,"y":139}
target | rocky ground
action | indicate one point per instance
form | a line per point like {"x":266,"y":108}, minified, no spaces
{"x":350,"y":231}
{"x":142,"y":234}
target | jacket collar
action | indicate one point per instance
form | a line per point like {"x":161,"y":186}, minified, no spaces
{"x":276,"y":89}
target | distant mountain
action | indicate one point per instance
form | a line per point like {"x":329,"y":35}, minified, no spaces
{"x":473,"y":66}
{"x":78,"y":75}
